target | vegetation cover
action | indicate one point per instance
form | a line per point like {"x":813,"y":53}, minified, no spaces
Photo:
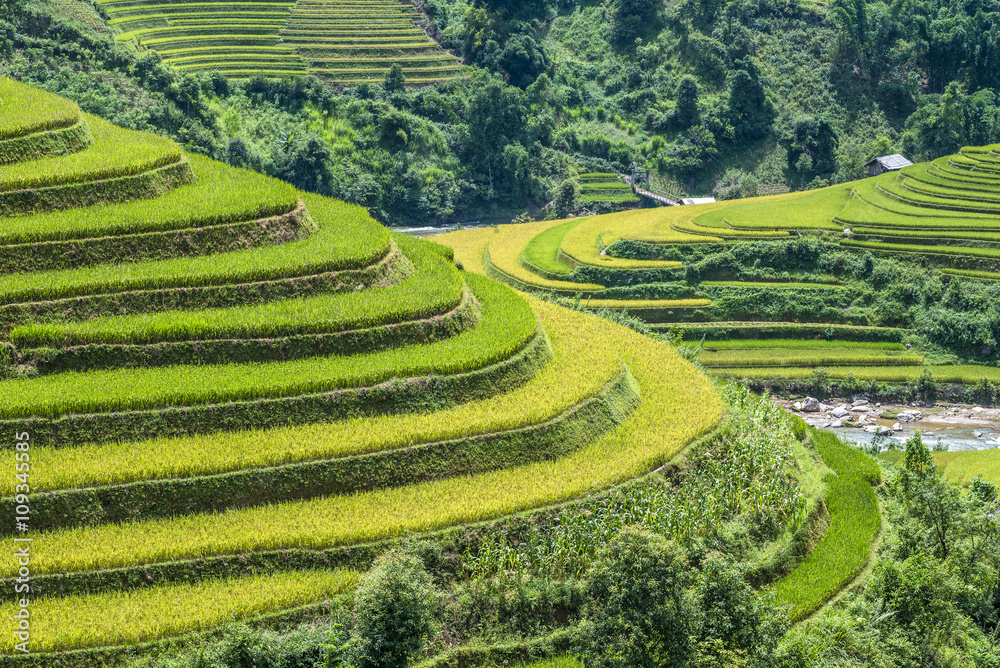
{"x":566,"y":100}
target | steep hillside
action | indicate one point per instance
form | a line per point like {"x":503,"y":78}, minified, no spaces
{"x":799,"y":289}
{"x":227,"y":386}
{"x":340,"y":42}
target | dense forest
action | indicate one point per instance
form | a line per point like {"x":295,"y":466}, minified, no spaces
{"x":723,"y":99}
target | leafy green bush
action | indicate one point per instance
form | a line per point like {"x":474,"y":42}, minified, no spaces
{"x":639,"y":613}
{"x":394,"y":612}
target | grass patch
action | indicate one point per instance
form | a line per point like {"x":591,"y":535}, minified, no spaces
{"x":855,"y":521}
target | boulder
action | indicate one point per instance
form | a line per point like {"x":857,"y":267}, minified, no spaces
{"x":897,"y":427}
{"x":810,"y":405}
{"x":839,"y":412}
{"x":860,"y":402}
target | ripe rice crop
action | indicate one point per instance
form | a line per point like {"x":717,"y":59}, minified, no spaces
{"x":790,"y":285}
{"x":819,"y":332}
{"x":130,"y":617}
{"x":507,"y":325}
{"x":928,"y":235}
{"x":924,"y":249}
{"x":585,"y":242}
{"x":679,"y":404}
{"x":855,"y":521}
{"x":870,"y":191}
{"x":967,"y":374}
{"x":895,"y":188}
{"x":708,"y":222}
{"x":347,"y":238}
{"x":583,"y":362}
{"x":959,"y":468}
{"x":984,"y":275}
{"x":220,"y":194}
{"x":36,"y":110}
{"x":435,"y":288}
{"x":744,"y":344}
{"x":195,"y":16}
{"x":505,"y":246}
{"x":644,"y":303}
{"x":812,"y":357}
{"x":115,"y":152}
{"x":950,"y":191}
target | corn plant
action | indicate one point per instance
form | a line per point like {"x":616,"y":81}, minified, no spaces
{"x":743,"y":476}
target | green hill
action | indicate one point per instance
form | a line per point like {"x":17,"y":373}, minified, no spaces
{"x":214,"y":369}
{"x":833,"y":280}
{"x":340,"y":42}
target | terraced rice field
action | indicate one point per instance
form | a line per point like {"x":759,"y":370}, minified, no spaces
{"x":342,"y":41}
{"x":651,"y":262}
{"x":605,"y":187}
{"x":282,"y":382}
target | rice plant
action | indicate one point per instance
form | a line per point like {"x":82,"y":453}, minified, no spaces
{"x":584,"y":361}
{"x":679,"y":404}
{"x":115,"y":152}
{"x":131,"y":617}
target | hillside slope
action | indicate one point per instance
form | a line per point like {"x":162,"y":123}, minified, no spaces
{"x":883,"y":280}
{"x":227,"y":386}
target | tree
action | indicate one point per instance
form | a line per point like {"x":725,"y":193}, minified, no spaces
{"x":394,"y":607}
{"x":497,"y":117}
{"x":686,"y":112}
{"x":812,"y":146}
{"x":395,"y":80}
{"x":734,"y":618}
{"x":750,"y":112}
{"x":305,"y":163}
{"x":633,"y":18}
{"x":567,"y":198}
{"x":639,"y":612}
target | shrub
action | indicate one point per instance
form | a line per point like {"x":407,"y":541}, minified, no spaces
{"x":394,"y":607}
{"x":639,"y":609}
